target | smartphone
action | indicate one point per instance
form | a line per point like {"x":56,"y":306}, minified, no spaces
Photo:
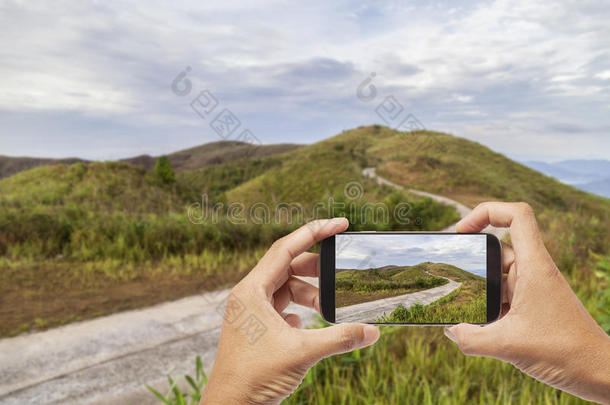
{"x":410,"y":278}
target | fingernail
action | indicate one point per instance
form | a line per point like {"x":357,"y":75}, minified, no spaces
{"x":450,"y":334}
{"x":371,"y":334}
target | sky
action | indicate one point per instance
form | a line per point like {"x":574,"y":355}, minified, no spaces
{"x":93,"y":78}
{"x":467,"y":252}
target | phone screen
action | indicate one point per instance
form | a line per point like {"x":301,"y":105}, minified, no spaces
{"x":411,"y":278}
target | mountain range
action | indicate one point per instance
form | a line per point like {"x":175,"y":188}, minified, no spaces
{"x":197,"y":157}
{"x":131,"y":241}
{"x":592,"y":176}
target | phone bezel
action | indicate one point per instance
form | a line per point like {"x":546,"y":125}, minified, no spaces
{"x":494,"y":276}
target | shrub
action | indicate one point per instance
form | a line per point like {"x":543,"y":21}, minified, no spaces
{"x":163,"y":170}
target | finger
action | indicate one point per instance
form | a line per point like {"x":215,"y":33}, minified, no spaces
{"x":508,"y":256}
{"x":508,"y":285}
{"x":505,"y":291}
{"x":293,"y":320}
{"x":519,"y":217}
{"x":477,"y":340}
{"x":305,"y":265}
{"x":340,"y":338}
{"x":272,"y":270}
{"x":298,"y":291}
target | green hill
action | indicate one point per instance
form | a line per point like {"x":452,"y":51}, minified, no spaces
{"x":198,"y":157}
{"x":363,"y":285}
{"x":448,"y":270}
{"x":10,"y":165}
{"x":465,"y":304}
{"x":214,"y":153}
{"x":86,"y":239}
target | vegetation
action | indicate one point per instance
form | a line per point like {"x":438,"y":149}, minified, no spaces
{"x":445,"y":310}
{"x":466,"y":304}
{"x":163,"y":170}
{"x":411,"y":365}
{"x":356,"y":286}
{"x":175,"y":396}
{"x":88,"y":239}
{"x":420,"y":365}
{"x":92,"y":238}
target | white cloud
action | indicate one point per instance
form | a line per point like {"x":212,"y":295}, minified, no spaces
{"x":291,"y":72}
{"x":367,"y":251}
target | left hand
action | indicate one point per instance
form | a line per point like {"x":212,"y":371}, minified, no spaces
{"x":263,"y":355}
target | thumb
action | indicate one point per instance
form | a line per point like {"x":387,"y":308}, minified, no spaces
{"x":342,"y":338}
{"x":476,"y":340}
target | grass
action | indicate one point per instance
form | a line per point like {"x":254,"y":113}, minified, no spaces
{"x":175,"y":396}
{"x":466,"y":304}
{"x":419,"y":365}
{"x":357,"y":286}
{"x":80,"y":240}
{"x":448,"y":309}
{"x":411,"y":365}
{"x":84,"y":240}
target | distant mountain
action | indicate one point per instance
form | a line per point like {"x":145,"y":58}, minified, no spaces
{"x":197,"y":157}
{"x":13,"y":165}
{"x":213,"y":153}
{"x":601,"y":187}
{"x":409,"y":273}
{"x":587,"y":167}
{"x":592,"y":176}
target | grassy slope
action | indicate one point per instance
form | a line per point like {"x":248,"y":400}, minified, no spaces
{"x":10,"y":165}
{"x":407,"y":365}
{"x":466,"y":304}
{"x":198,"y":157}
{"x":214,"y":153}
{"x":356,"y":286}
{"x":89,"y":239}
{"x":322,"y":172}
{"x":419,"y":365}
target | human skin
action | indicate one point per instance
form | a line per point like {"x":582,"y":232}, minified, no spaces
{"x":544,"y":331}
{"x":263,"y":354}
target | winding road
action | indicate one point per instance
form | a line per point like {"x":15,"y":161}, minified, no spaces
{"x":370,"y":311}
{"x":109,"y":360}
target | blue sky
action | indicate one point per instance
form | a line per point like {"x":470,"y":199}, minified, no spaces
{"x":467,"y":252}
{"x":92,"y":79}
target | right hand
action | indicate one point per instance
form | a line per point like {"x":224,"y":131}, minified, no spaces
{"x":545,"y":331}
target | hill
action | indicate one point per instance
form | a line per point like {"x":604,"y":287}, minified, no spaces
{"x":13,"y":165}
{"x":213,"y":153}
{"x":364,"y":285}
{"x":453,"y":272}
{"x":466,"y":304}
{"x":198,"y":157}
{"x":87,"y":239}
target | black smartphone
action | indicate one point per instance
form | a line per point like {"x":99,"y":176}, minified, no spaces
{"x":410,"y":278}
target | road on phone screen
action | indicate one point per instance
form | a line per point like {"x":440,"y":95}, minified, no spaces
{"x":370,"y":311}
{"x":111,"y":358}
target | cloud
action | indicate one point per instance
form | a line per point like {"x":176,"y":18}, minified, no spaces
{"x":363,"y":252}
{"x":290,"y":73}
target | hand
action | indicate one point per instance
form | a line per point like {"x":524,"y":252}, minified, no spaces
{"x":263,"y":355}
{"x":545,"y":331}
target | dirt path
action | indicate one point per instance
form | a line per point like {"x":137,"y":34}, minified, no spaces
{"x":109,"y":359}
{"x":370,"y":311}
{"x":461,"y":209}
